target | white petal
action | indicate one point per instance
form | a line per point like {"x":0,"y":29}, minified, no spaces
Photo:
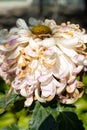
{"x":63,"y":71}
{"x":70,"y":42}
{"x":38,"y":97}
{"x":71,"y":79}
{"x":18,"y":84}
{"x":60,"y":85}
{"x":84,"y":38}
{"x":68,"y":51}
{"x":23,"y":39}
{"x":45,"y":78}
{"x":23,"y":92}
{"x":78,"y":59}
{"x":13,"y":30}
{"x":85,"y":62}
{"x":33,"y":44}
{"x":34,"y":64}
{"x":15,"y":53}
{"x":78,"y":69}
{"x":30,"y":52}
{"x":21,"y":23}
{"x":48,"y":42}
{"x":48,"y":90}
{"x":28,"y":101}
{"x":70,"y":88}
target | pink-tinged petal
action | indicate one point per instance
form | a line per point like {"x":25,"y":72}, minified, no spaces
{"x":2,"y":57}
{"x":14,"y":31}
{"x":37,"y":96}
{"x":37,"y":74}
{"x":84,"y":38}
{"x":33,"y":44}
{"x":12,"y":70}
{"x":69,"y":42}
{"x":22,"y":24}
{"x":71,"y":87}
{"x":68,"y":51}
{"x":27,"y":91}
{"x":49,"y":52}
{"x":85,"y":62}
{"x":63,"y":71}
{"x":23,"y":33}
{"x":78,"y":59}
{"x":56,"y":50}
{"x":18,"y":84}
{"x":62,"y":36}
{"x":60,"y":85}
{"x":71,"y":79}
{"x":30,"y":80}
{"x":15,"y":53}
{"x":23,"y":39}
{"x":48,"y":89}
{"x":4,"y":75}
{"x":34,"y":64}
{"x":20,"y":61}
{"x":45,"y":78}
{"x":12,"y":40}
{"x":30,"y":52}
{"x":28,"y":101}
{"x":78,"y":69}
{"x":49,"y":62}
{"x":23,"y":92}
{"x":31,"y":89}
{"x":9,"y":48}
{"x":48,"y":42}
{"x":4,"y":66}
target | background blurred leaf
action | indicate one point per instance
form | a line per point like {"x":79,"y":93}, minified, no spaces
{"x":3,"y":86}
{"x":8,"y":102}
{"x":12,"y":127}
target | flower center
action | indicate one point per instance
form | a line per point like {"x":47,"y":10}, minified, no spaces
{"x":41,"y":31}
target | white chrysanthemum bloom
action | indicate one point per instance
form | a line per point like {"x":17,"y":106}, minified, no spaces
{"x":44,"y":60}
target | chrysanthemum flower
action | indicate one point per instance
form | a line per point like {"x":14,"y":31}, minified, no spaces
{"x":44,"y":60}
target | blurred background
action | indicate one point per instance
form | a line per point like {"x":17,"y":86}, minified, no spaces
{"x":59,"y":10}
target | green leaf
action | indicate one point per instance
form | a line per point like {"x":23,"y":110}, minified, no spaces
{"x":69,"y":121}
{"x":61,"y":117}
{"x":3,"y":86}
{"x":12,"y":127}
{"x":8,"y":101}
{"x":18,"y":104}
{"x":85,"y":80}
{"x":2,"y":101}
{"x":42,"y":118}
{"x":4,"y":104}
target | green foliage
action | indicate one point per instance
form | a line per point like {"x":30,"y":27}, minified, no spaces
{"x":69,"y":121}
{"x":41,"y":114}
{"x":12,"y":127}
{"x":11,"y":99}
{"x":3,"y":86}
{"x":43,"y":118}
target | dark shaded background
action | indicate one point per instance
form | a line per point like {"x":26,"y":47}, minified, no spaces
{"x":41,"y":9}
